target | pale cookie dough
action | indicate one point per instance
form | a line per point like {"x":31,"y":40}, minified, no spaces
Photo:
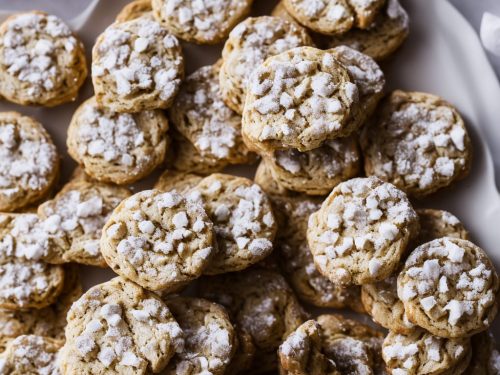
{"x":384,"y":36}
{"x":298,"y":99}
{"x":243,"y":220}
{"x":119,"y":328}
{"x":182,"y":182}
{"x":31,"y":354}
{"x":26,"y":281}
{"x":248,"y":46}
{"x":485,"y":356}
{"x":361,"y":231}
{"x":29,"y":163}
{"x":418,"y":142}
{"x":318,"y":171}
{"x":422,"y":353}
{"x":201,"y":22}
{"x":133,"y":10}
{"x":261,"y":304}
{"x":202,"y":117}
{"x":159,"y":240}
{"x":41,"y":61}
{"x":448,"y":286}
{"x":136,"y":65}
{"x":74,"y":219}
{"x":210,"y":339}
{"x":438,"y":223}
{"x":117,"y":147}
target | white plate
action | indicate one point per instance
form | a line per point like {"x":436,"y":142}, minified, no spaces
{"x":442,"y":56}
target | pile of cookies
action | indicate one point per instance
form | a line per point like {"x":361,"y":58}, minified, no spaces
{"x":221,"y":274}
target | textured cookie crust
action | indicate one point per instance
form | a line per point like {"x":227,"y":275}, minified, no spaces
{"x":210,"y":339}
{"x":29,"y":163}
{"x":117,"y":147}
{"x":298,"y":99}
{"x":438,"y":223}
{"x":133,"y":10}
{"x":136,"y":65}
{"x":264,"y":178}
{"x":202,"y":117}
{"x":207,"y":22}
{"x":418,"y":142}
{"x":361,"y":231}
{"x":448,"y":286}
{"x":159,"y":240}
{"x":74,"y":220}
{"x":248,"y":46}
{"x":119,"y":328}
{"x":182,"y":182}
{"x":243,"y":220}
{"x":41,"y":60}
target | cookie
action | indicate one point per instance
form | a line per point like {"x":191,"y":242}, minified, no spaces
{"x":41,"y":61}
{"x":264,"y":178}
{"x":318,"y":171}
{"x":422,"y":353}
{"x":117,"y":147}
{"x":243,"y":220}
{"x":159,"y":240}
{"x":248,"y":46}
{"x":210,"y":339}
{"x":382,"y":38}
{"x":485,"y":358}
{"x":207,"y":22}
{"x":29,"y":163}
{"x":418,"y":142}
{"x":136,"y":65}
{"x":298,"y":99}
{"x":261,"y":304}
{"x":133,"y":10}
{"x":74,"y":219}
{"x":361,"y":231}
{"x":439,"y":223}
{"x":448,"y":286}
{"x":201,"y":116}
{"x":182,"y":182}
{"x":119,"y":328}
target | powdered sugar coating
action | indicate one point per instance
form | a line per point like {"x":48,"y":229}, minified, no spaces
{"x":361,"y":231}
{"x":418,"y":142}
{"x":448,"y":286}
{"x":298,"y":99}
{"x":159,"y":240}
{"x":136,"y":65}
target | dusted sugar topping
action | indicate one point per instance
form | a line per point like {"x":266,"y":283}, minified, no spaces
{"x":298,"y":99}
{"x":438,"y":223}
{"x":448,"y":286}
{"x":361,"y":231}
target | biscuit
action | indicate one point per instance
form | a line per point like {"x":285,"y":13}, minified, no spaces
{"x":74,"y":219}
{"x":117,"y":147}
{"x":243,"y":220}
{"x":418,"y":142}
{"x":485,"y":356}
{"x":207,"y":22}
{"x":42,"y":62}
{"x":438,"y":223}
{"x":136,"y":65}
{"x":182,"y":182}
{"x":264,"y":178}
{"x":133,"y":10}
{"x":119,"y":328}
{"x":361,"y":231}
{"x":448,"y":287}
{"x":312,"y":107}
{"x":159,"y":240}
{"x":249,"y":45}
{"x":29,"y":163}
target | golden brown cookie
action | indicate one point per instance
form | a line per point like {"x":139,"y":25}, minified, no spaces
{"x":438,"y":223}
{"x":264,"y":178}
{"x":133,"y":10}
{"x":182,"y":182}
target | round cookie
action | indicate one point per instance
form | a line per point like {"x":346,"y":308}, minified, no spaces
{"x":202,"y":117}
{"x":119,"y":328}
{"x":418,"y":142}
{"x":243,"y":220}
{"x":361,"y":231}
{"x":210,"y":339}
{"x":207,"y":22}
{"x":264,"y":178}
{"x":182,"y":182}
{"x":74,"y":219}
{"x":439,"y":223}
{"x":318,"y":171}
{"x":133,"y":10}
{"x":485,"y":356}
{"x":422,"y":353}
{"x":41,"y":61}
{"x":298,"y":99}
{"x":29,"y":163}
{"x":136,"y":65}
{"x":117,"y":147}
{"x":448,"y":287}
{"x":248,"y":46}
